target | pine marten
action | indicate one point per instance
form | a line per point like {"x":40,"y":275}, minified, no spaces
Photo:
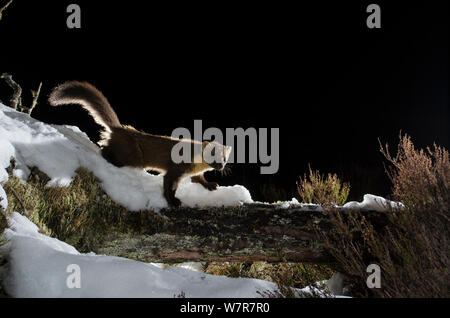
{"x":123,"y":145}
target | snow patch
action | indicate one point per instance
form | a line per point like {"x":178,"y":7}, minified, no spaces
{"x":3,"y":199}
{"x":370,"y":203}
{"x":374,"y":203}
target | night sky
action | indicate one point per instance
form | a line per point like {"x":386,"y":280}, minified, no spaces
{"x":315,"y":71}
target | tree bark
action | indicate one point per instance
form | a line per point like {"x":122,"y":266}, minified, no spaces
{"x":252,"y":232}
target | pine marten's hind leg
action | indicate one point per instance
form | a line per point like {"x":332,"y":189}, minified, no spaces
{"x":111,"y":157}
{"x":208,"y":185}
{"x":171,"y":181}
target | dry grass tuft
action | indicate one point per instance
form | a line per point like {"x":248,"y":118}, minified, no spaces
{"x":321,"y":189}
{"x":287,"y":276}
{"x":81,"y":214}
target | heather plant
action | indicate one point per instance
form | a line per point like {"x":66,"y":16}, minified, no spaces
{"x":412,"y":245}
{"x":420,"y":177}
{"x":321,"y":189}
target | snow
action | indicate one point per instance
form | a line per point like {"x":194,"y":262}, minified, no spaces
{"x":374,"y":203}
{"x":295,"y":204}
{"x":193,"y":266}
{"x":3,"y":199}
{"x":6,"y":152}
{"x":370,"y":203}
{"x":59,"y":150}
{"x":37,"y":267}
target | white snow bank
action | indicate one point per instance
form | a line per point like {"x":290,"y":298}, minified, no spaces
{"x":295,"y":204}
{"x":3,"y":199}
{"x":6,"y":152}
{"x":370,"y":202}
{"x":59,"y":150}
{"x":374,"y":203}
{"x":37,"y":267}
{"x":193,"y":266}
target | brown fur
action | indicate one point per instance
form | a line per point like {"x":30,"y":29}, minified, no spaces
{"x":126,"y":146}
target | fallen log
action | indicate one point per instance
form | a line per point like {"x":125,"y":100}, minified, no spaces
{"x":82,"y":216}
{"x":252,"y":232}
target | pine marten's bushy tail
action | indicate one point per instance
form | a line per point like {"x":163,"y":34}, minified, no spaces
{"x":90,"y":98}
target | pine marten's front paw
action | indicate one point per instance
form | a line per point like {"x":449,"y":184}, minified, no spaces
{"x":211,"y":186}
{"x":207,"y":185}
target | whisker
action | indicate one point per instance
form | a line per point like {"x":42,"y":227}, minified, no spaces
{"x":225,"y":171}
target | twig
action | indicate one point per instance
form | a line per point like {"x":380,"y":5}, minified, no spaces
{"x":4,"y":8}
{"x":16,"y":99}
{"x":17,"y":198}
{"x":35,"y":95}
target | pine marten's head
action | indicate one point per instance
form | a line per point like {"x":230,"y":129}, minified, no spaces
{"x":215,"y":154}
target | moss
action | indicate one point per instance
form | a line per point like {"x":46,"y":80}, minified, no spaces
{"x":3,"y":223}
{"x":227,"y":269}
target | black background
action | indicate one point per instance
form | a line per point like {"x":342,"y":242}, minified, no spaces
{"x":315,"y":71}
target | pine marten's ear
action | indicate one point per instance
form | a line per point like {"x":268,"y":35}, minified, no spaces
{"x":227,"y":152}
{"x":208,"y":148}
{"x":209,"y":153}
